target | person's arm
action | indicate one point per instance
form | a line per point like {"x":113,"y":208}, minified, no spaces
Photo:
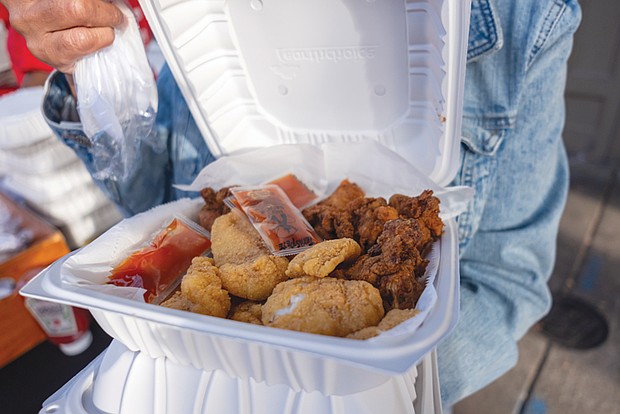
{"x":515,"y":159}
{"x":150,"y":183}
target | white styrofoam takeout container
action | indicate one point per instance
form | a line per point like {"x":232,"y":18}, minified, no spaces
{"x":21,"y":119}
{"x":263,"y":73}
{"x":91,"y":392}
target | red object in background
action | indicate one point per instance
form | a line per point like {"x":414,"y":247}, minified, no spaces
{"x":23,"y":61}
{"x":65,"y":326}
{"x":145,"y":30}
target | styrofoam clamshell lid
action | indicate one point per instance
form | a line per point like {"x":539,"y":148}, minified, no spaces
{"x":21,"y":119}
{"x":262,"y":73}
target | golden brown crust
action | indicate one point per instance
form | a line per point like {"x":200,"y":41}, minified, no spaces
{"x":325,"y":306}
{"x":248,"y":311}
{"x":254,"y":280}
{"x":235,"y":241}
{"x":247,"y":268}
{"x":201,"y":290}
{"x":322,"y":258}
{"x":390,"y":320}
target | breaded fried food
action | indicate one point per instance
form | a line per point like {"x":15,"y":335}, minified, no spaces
{"x":343,"y":195}
{"x":369,"y":215}
{"x":214,"y":205}
{"x":247,"y":268}
{"x":322,"y":258}
{"x":248,"y":311}
{"x":325,"y":306}
{"x":331,"y":218}
{"x":395,"y":317}
{"x":201,"y":290}
{"x":393,"y":265}
{"x":390,"y":320}
{"x":425,"y":209}
{"x":254,"y":280}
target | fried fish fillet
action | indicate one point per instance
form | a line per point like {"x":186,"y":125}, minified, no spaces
{"x":248,"y":311}
{"x":391,"y":319}
{"x":201,"y":290}
{"x":247,"y":268}
{"x":322,"y":258}
{"x":325,"y":306}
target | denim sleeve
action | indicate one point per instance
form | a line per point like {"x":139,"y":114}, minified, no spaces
{"x":148,"y":186}
{"x":514,"y":158}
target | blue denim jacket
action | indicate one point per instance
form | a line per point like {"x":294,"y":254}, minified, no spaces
{"x":512,"y":154}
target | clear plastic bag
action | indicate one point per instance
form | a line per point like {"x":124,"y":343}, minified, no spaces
{"x":117,"y":101}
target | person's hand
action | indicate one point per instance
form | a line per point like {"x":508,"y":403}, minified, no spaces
{"x":59,"y":32}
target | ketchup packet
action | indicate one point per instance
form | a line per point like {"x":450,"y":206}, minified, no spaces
{"x":299,"y":194}
{"x":281,"y":225}
{"x":158,"y":267}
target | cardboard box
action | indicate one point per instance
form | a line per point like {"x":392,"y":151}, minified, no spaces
{"x":20,"y":331}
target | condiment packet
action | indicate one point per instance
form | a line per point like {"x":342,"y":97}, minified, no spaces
{"x":281,"y":225}
{"x":159,"y":266}
{"x":298,"y":192}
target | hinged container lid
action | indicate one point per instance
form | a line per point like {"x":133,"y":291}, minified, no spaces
{"x":257,"y":73}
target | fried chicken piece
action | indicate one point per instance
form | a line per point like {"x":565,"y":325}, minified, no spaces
{"x":214,"y":205}
{"x":330,"y":222}
{"x":325,"y":306}
{"x":247,"y":268}
{"x":201,"y":290}
{"x":425,"y":209}
{"x":248,"y":311}
{"x":390,"y":320}
{"x":392,"y":265}
{"x":322,"y":258}
{"x":343,"y":195}
{"x":331,"y":218}
{"x":368,"y":216}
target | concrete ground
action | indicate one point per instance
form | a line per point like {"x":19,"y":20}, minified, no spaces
{"x":551,"y":378}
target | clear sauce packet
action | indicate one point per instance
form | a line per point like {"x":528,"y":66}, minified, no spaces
{"x":281,"y":225}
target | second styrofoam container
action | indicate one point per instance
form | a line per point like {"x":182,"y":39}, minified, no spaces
{"x":21,"y":119}
{"x":114,"y":381}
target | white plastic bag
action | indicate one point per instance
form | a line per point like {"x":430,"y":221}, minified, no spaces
{"x":117,"y":101}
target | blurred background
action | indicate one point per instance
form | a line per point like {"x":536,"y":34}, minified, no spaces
{"x":569,"y":362}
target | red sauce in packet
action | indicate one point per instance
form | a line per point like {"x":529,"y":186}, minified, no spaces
{"x":299,"y":194}
{"x":283,"y":228}
{"x":159,"y":266}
